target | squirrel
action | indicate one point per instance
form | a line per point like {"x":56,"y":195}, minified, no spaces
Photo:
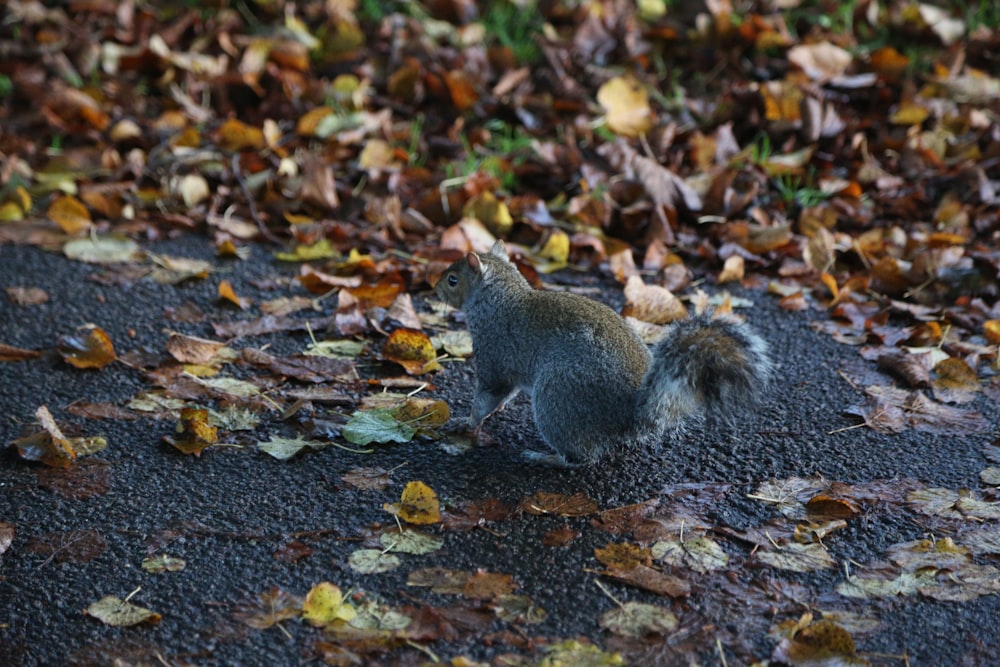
{"x":594,"y":385}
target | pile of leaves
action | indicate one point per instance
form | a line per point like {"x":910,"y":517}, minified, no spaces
{"x":843,"y":156}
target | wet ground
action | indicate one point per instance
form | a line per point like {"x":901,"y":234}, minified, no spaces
{"x":228,"y":512}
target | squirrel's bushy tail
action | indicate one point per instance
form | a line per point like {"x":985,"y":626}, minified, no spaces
{"x":703,"y":366}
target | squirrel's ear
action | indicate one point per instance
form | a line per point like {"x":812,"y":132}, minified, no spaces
{"x":499,"y":249}
{"x":476,"y":264}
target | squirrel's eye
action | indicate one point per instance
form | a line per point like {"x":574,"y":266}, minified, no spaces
{"x":452,"y":280}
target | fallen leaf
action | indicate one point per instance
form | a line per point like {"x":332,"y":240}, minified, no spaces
{"x":91,"y":347}
{"x":412,"y":350}
{"x":627,"y":106}
{"x":325,"y":604}
{"x":116,"y":612}
{"x":163,"y":563}
{"x":418,"y":505}
{"x":70,"y":214}
{"x":651,"y":303}
{"x":373,"y":561}
{"x":542,"y":502}
{"x":638,"y":619}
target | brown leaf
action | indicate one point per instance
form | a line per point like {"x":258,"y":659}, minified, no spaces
{"x":623,"y":520}
{"x":542,"y":502}
{"x":560,"y":537}
{"x":193,"y":350}
{"x":651,"y":579}
{"x":71,"y":546}
{"x":49,"y":445}
{"x":306,"y":368}
{"x":479,"y":584}
{"x":11,"y":353}
{"x":651,"y":303}
{"x":828,"y":506}
{"x":475,"y":514}
{"x":367,"y":479}
{"x":88,"y":479}
{"x":292,"y":552}
{"x":956,"y":381}
{"x":27,"y":296}
{"x":623,"y":556}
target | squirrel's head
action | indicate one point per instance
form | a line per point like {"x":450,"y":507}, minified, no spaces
{"x":462,"y":278}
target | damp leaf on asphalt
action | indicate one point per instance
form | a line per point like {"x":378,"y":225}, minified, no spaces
{"x":193,"y":433}
{"x":89,"y":347}
{"x":163,"y":563}
{"x":797,"y":557}
{"x":410,"y":542}
{"x":325,"y":604}
{"x":285,"y":448}
{"x":373,"y":561}
{"x":701,"y":554}
{"x":48,"y":444}
{"x":418,"y":505}
{"x":638,"y":620}
{"x":543,"y":502}
{"x":114,"y":611}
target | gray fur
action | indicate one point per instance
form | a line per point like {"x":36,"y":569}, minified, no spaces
{"x":593,"y":383}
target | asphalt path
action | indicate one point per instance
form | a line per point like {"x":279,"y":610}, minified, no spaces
{"x":246,"y":504}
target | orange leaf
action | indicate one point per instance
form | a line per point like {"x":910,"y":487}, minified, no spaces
{"x":227,"y":292}
{"x":463,"y":94}
{"x":90,"y":349}
{"x":70,"y":214}
{"x":235,"y":135}
{"x":412,"y":350}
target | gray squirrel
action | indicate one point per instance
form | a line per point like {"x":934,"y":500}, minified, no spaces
{"x":594,"y":385}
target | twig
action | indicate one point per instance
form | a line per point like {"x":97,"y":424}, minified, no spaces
{"x":238,"y":175}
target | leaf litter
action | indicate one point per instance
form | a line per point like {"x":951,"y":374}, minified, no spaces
{"x":367,"y":195}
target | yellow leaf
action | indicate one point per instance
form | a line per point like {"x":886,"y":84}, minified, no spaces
{"x":377,"y":155}
{"x":325,"y":604}
{"x":322,"y":249}
{"x":556,"y":247}
{"x":487,"y":209}
{"x":418,"y":505}
{"x":909,"y":113}
{"x":194,"y":433}
{"x":992,"y":330}
{"x":627,"y":105}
